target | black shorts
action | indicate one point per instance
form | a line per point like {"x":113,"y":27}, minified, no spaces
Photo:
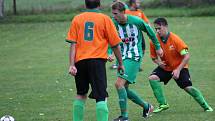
{"x":183,"y":80}
{"x":91,"y":72}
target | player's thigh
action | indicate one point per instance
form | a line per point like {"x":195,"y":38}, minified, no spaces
{"x":163,"y":75}
{"x":184,"y":79}
{"x":131,"y":70}
{"x":81,"y":78}
{"x":98,"y":78}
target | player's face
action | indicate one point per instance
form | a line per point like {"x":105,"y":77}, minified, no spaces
{"x":161,"y":30}
{"x":118,"y":16}
{"x":137,"y":4}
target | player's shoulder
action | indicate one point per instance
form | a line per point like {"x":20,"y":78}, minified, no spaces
{"x":135,"y":18}
{"x":92,"y":15}
{"x":173,"y":35}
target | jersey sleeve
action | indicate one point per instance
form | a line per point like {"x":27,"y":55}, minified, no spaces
{"x":153,"y":54}
{"x":111,"y":33}
{"x":72,"y":33}
{"x":150,"y":32}
{"x":180,"y":44}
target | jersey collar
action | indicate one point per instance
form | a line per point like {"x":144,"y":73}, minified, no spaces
{"x":164,"y":39}
{"x":92,"y":10}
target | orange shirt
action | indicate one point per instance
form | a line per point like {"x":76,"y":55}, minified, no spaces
{"x":92,"y":32}
{"x":171,"y":49}
{"x":138,"y":13}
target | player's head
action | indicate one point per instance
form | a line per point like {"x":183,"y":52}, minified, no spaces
{"x":118,"y":11}
{"x":91,"y":4}
{"x":115,"y":0}
{"x":161,"y":26}
{"x":134,"y":3}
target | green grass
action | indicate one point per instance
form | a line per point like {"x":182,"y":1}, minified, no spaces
{"x":69,"y":6}
{"x":67,"y":16}
{"x":35,"y":85}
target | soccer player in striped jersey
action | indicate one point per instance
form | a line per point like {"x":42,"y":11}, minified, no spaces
{"x":134,"y":10}
{"x":130,"y":30}
{"x":90,"y":34}
{"x":173,"y":64}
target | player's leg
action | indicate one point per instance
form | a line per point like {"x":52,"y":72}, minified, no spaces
{"x":82,"y":86}
{"x":131,"y":70}
{"x":185,"y":83}
{"x":134,"y":97}
{"x":122,"y":95}
{"x":97,"y":73}
{"x":154,"y":79}
{"x":197,"y":95}
{"x":78,"y":107}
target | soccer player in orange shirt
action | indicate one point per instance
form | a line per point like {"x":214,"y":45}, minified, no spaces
{"x":134,"y":10}
{"x":173,"y":64}
{"x":89,"y":34}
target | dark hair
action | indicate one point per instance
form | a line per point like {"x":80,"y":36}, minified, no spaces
{"x":131,"y":2}
{"x":91,"y":4}
{"x":118,"y":6}
{"x":161,"y":21}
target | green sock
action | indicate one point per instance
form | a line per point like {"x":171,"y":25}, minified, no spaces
{"x":197,"y":95}
{"x":158,"y":92}
{"x":133,"y":96}
{"x":101,"y":111}
{"x":123,"y":101}
{"x":78,"y":110}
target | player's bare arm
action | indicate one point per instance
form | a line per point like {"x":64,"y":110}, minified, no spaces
{"x":72,"y":68}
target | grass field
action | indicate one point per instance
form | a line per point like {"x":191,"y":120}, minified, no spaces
{"x":73,"y":6}
{"x":35,"y":85}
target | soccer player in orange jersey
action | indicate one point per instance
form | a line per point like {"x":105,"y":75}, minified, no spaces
{"x":89,"y":34}
{"x":173,"y":64}
{"x":134,"y":10}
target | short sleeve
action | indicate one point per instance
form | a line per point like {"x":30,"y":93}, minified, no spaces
{"x":180,"y":44}
{"x":72,"y":33}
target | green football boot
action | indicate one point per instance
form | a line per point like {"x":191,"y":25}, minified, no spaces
{"x":161,"y":107}
{"x":209,"y":109}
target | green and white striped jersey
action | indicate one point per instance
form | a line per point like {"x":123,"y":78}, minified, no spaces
{"x":132,"y":37}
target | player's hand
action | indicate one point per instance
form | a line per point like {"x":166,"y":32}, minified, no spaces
{"x":121,"y":69}
{"x":110,"y":58}
{"x":161,"y":64}
{"x":159,"y":52}
{"x":72,"y":70}
{"x":175,"y":74}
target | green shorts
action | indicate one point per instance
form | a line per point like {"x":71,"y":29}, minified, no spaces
{"x":131,"y":70}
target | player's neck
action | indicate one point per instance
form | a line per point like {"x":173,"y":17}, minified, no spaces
{"x":124,"y":19}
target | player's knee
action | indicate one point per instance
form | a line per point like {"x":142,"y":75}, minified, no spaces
{"x":81,"y":97}
{"x":119,"y":83}
{"x":153,"y":77}
{"x":188,"y":88}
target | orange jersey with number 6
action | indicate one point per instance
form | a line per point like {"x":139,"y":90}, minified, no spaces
{"x":92,"y":32}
